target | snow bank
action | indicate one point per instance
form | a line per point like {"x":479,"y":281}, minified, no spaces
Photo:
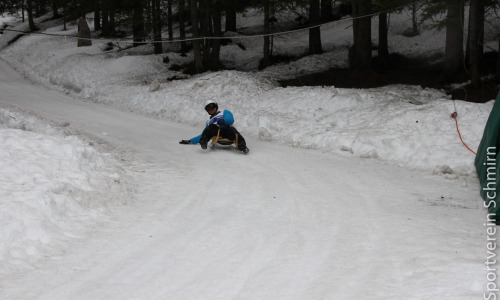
{"x":407,"y":125}
{"x":5,"y":20}
{"x":53,"y":189}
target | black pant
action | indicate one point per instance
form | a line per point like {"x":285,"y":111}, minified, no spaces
{"x":226,"y":131}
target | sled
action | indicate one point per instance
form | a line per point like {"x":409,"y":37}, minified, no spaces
{"x":223,"y":141}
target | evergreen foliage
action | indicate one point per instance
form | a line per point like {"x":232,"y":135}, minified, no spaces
{"x":145,"y":20}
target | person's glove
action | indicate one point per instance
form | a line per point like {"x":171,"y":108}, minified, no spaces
{"x":221,"y":122}
{"x":185,"y":142}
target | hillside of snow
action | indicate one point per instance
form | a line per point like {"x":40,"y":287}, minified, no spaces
{"x":346,"y":193}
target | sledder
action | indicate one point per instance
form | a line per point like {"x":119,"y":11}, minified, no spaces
{"x":219,"y":128}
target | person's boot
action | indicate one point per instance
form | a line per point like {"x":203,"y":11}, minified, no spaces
{"x":243,"y":148}
{"x":203,"y":143}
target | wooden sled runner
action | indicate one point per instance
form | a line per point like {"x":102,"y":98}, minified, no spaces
{"x":223,"y":141}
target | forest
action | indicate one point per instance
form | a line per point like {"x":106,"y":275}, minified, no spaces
{"x":201,"y":26}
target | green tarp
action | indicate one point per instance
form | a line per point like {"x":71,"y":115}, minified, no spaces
{"x":488,"y":163}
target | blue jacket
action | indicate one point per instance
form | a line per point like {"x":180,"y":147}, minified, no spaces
{"x":226,"y":115}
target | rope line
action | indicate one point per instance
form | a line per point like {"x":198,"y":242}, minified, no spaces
{"x":454,"y":116}
{"x":218,"y":37}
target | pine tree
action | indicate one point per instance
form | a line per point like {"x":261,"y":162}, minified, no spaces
{"x":476,"y":27}
{"x":314,"y":33}
{"x":360,"y":57}
{"x":454,"y":50}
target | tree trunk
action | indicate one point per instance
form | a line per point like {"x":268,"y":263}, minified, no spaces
{"x":22,"y":13}
{"x":84,"y":34}
{"x":64,"y":16}
{"x":55,"y":8}
{"x":169,"y":20}
{"x":97,"y":15}
{"x":383,"y":44}
{"x":476,"y":26}
{"x":453,"y":61}
{"x":112,"y":13}
{"x":138,"y":23}
{"x":266,"y":61}
{"x":314,"y":33}
{"x":215,"y":54}
{"x":498,"y":59}
{"x":105,"y":18}
{"x":326,"y":10}
{"x":198,"y":59}
{"x":414,"y":18}
{"x":361,"y":52}
{"x":41,"y":7}
{"x":272,"y":21}
{"x":148,"y":24}
{"x":182,"y":26}
{"x":230,"y":19}
{"x":30,"y":16}
{"x":156,"y":11}
{"x":205,"y":30}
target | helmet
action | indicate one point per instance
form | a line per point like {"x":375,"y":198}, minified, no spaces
{"x":211,"y":102}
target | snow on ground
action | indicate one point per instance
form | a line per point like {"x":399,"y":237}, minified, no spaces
{"x":72,"y":185}
{"x":52,"y":187}
{"x":279,"y":223}
{"x":6,"y":19}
